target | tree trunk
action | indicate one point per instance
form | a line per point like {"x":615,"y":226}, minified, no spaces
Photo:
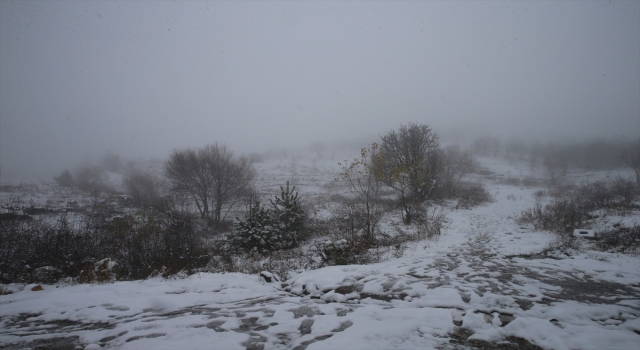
{"x":218,"y":209}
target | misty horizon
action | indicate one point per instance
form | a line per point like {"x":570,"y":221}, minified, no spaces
{"x":139,"y":79}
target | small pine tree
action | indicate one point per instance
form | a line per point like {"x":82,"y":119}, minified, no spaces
{"x":277,"y":227}
{"x":290,"y":217}
{"x":257,"y":231}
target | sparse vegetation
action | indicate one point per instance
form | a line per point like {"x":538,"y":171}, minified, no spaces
{"x":575,"y":206}
{"x":472,"y":194}
{"x":153,"y":231}
{"x":620,"y":239}
{"x":560,"y":216}
{"x":162,"y":237}
{"x":140,"y":245}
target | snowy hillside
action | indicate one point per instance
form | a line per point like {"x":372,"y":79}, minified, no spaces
{"x":482,"y":284}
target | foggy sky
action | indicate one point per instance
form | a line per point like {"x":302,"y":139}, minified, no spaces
{"x":142,"y":78}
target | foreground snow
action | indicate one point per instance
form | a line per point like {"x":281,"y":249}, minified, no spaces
{"x":473,"y":287}
{"x":406,"y":305}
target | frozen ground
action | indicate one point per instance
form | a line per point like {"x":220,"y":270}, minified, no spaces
{"x":481,"y":285}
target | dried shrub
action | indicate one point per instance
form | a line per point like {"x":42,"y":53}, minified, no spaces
{"x":40,"y":246}
{"x":46,"y":274}
{"x":625,"y":191}
{"x":252,"y":262}
{"x":355,"y":224}
{"x":431,"y":225}
{"x":564,"y":246}
{"x":562,"y":189}
{"x":620,"y":239}
{"x":472,"y":194}
{"x":144,"y":244}
{"x":597,"y":193}
{"x":284,"y":261}
{"x":161,"y":244}
{"x":619,"y":193}
{"x":559,"y":216}
{"x":577,"y":204}
{"x":103,"y":271}
{"x":346,"y":252}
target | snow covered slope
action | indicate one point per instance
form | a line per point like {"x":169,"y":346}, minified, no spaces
{"x":478,"y":286}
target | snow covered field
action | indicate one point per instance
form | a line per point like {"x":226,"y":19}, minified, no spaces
{"x":481,"y":285}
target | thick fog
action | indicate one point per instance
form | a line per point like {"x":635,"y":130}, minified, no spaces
{"x":142,"y":78}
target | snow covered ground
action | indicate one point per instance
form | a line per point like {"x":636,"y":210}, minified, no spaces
{"x":480,"y":285}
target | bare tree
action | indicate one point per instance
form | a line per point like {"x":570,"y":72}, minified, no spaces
{"x":231,"y":178}
{"x":408,"y":162}
{"x":212,"y":176}
{"x":359,"y":175}
{"x":454,"y":165}
{"x":186,"y":172}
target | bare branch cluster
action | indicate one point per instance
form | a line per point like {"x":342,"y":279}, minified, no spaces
{"x":212,"y":176}
{"x":363,"y":183}
{"x":408,"y":162}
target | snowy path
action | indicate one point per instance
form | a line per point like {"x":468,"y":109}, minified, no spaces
{"x":465,"y":293}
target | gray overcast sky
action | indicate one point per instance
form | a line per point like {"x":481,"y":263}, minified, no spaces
{"x":142,"y":78}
